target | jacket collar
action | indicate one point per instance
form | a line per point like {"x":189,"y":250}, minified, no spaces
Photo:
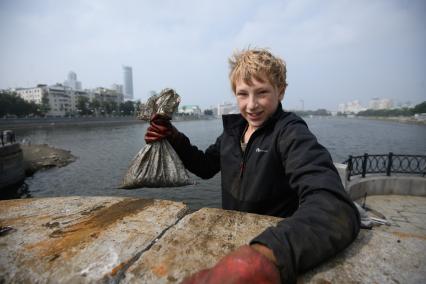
{"x":236,"y":123}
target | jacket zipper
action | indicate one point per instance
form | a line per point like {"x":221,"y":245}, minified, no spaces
{"x":243,"y":161}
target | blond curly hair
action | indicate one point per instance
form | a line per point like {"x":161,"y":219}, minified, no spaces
{"x":257,"y":63}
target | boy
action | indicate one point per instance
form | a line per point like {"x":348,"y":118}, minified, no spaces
{"x":270,"y":164}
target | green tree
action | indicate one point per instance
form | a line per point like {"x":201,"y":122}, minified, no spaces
{"x":420,"y":108}
{"x":386,"y":112}
{"x":106,"y":107}
{"x":12,"y":104}
{"x":83,"y":105}
{"x":95,"y":106}
{"x":127,"y":108}
{"x":208,"y":112}
{"x":114,"y":107}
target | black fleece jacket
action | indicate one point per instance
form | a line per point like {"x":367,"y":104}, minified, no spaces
{"x":283,"y":172}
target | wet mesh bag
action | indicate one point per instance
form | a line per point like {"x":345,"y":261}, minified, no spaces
{"x":157,"y":164}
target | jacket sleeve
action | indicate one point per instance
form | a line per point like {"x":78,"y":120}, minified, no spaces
{"x":326,"y":221}
{"x":203,"y":164}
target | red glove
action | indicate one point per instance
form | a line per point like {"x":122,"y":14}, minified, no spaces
{"x":244,"y":265}
{"x":160,"y":128}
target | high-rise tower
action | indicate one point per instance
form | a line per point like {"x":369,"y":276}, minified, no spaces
{"x":128,"y":82}
{"x":72,"y":81}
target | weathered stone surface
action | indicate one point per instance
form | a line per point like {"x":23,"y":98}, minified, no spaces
{"x":386,"y":254}
{"x":198,"y":241}
{"x":78,"y":239}
{"x":94,"y":239}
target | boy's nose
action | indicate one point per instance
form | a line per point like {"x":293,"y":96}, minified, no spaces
{"x":252,"y":103}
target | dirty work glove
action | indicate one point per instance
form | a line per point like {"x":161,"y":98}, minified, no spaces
{"x":160,"y":128}
{"x":244,"y":265}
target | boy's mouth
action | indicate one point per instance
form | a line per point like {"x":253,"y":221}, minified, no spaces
{"x":254,"y":115}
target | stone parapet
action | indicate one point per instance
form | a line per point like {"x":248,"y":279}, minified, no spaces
{"x":113,"y":239}
{"x":384,"y":185}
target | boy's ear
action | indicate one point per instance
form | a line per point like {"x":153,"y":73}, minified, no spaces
{"x":281,"y":92}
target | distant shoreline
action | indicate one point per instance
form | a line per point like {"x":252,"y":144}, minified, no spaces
{"x":25,"y":123}
{"x":402,"y":119}
{"x":58,"y":122}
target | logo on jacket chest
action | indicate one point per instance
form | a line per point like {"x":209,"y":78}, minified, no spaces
{"x":259,"y":150}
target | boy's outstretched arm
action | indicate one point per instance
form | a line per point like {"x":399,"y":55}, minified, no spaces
{"x":326,"y":221}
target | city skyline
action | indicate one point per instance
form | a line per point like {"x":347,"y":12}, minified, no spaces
{"x":351,"y":106}
{"x":336,"y":51}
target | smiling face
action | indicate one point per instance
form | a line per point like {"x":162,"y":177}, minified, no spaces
{"x":257,"y":100}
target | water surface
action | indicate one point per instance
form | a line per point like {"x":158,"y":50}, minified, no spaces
{"x":104,"y":154}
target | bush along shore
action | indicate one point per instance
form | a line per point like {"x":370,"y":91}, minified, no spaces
{"x":401,"y":119}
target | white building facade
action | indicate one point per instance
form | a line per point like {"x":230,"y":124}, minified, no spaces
{"x":379,"y":103}
{"x":57,"y":97}
{"x":34,"y":95}
{"x":351,"y":107}
{"x":227,"y":108}
{"x":190,"y":109}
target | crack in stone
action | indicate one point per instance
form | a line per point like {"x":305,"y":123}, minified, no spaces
{"x":118,"y":273}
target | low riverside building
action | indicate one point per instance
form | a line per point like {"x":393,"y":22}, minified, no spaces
{"x":190,"y":110}
{"x":33,"y":94}
{"x":227,"y":108}
{"x":379,"y":103}
{"x":75,"y":94}
{"x":351,"y":107}
{"x":61,"y":100}
{"x":57,"y":98}
{"x":106,"y":95}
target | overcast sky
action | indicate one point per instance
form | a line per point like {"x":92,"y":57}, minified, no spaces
{"x":336,"y":51}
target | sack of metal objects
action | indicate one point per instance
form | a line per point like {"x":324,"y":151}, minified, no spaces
{"x":157,"y":164}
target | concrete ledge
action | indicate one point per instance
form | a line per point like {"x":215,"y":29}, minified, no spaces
{"x":385,"y":254}
{"x":113,"y":239}
{"x":384,"y":185}
{"x":198,"y":241}
{"x":78,"y":239}
{"x":342,"y":170}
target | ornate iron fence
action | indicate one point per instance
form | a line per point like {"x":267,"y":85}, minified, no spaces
{"x":387,"y":164}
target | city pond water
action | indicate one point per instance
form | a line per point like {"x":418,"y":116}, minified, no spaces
{"x":104,"y":153}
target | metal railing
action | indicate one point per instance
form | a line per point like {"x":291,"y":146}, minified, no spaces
{"x":386,"y":164}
